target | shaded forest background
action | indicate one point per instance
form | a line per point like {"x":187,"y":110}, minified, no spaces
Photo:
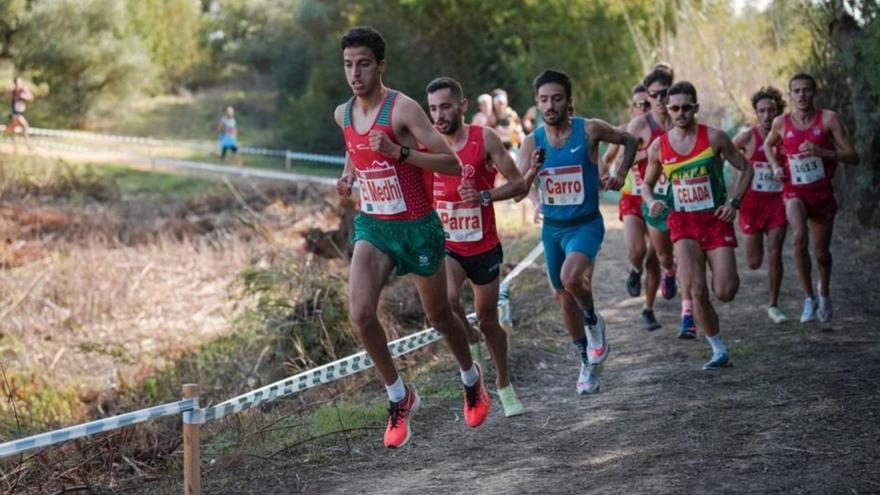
{"x":92,"y":60}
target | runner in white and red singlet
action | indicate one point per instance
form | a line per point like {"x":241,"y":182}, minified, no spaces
{"x":397,"y":228}
{"x":762,"y":211}
{"x":464,"y":203}
{"x":814,"y":141}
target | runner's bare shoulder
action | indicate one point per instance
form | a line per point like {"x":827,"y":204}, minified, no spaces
{"x":339,"y":114}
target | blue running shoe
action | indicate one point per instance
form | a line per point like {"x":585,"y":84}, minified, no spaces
{"x":668,"y":287}
{"x":688,"y":329}
{"x":719,"y":360}
{"x":650,"y":321}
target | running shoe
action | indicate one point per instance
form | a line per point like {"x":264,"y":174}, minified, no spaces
{"x":588,"y":379}
{"x":400,"y":413}
{"x":597,"y":348}
{"x":719,"y":360}
{"x":776,"y":315}
{"x":809,"y":313}
{"x":651,"y":323}
{"x":688,"y":329}
{"x":668,"y":288}
{"x":476,"y":402}
{"x":634,"y":283}
{"x":510,"y":402}
{"x":824,"y":311}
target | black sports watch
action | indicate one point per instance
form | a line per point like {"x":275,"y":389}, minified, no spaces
{"x":485,"y":197}
{"x":404,"y":152}
{"x":734,"y":203}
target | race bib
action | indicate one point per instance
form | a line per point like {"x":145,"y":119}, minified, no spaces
{"x":462,"y":221}
{"x":18,"y":106}
{"x":763,"y":180}
{"x":562,"y":186}
{"x":380,"y":191}
{"x":637,"y":181}
{"x":693,"y":194}
{"x":662,"y":185}
{"x":806,"y":169}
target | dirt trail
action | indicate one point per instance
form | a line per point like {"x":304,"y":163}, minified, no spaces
{"x":798,"y":412}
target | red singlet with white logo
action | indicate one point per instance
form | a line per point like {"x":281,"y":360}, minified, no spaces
{"x":640,"y":166}
{"x":470,"y":227}
{"x":804,"y":171}
{"x":389,"y":190}
{"x":763,"y":185}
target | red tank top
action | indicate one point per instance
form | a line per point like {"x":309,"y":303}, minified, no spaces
{"x":803,"y":171}
{"x":470,"y":227}
{"x":389,"y":190}
{"x":763,"y":185}
{"x":641,"y":164}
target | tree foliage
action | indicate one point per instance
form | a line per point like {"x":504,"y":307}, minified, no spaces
{"x":83,"y":51}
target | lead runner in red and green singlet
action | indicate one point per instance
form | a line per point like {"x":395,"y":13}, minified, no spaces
{"x":397,"y":229}
{"x":814,"y":140}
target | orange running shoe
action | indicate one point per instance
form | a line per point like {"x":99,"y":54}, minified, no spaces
{"x":400,"y":413}
{"x":476,"y":402}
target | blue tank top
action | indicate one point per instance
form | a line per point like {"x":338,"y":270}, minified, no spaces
{"x":568,"y":179}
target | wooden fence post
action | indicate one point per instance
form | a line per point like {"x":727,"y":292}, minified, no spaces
{"x":192,"y":465}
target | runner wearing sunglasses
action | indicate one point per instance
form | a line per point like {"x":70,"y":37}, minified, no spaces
{"x":692,"y":156}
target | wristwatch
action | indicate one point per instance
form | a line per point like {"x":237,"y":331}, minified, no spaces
{"x":485,"y":197}
{"x":404,"y":152}
{"x":734,"y":203}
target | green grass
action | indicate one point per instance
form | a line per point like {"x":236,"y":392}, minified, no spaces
{"x":141,"y":184}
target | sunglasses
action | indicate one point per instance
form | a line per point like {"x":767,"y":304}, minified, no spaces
{"x":641,"y":104}
{"x":660,"y":93}
{"x":687,"y":107}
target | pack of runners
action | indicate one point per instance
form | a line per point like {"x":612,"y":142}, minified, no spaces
{"x":427,"y":188}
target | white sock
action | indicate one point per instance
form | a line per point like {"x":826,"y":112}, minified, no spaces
{"x":470,"y":377}
{"x":717,"y":344}
{"x":396,"y":391}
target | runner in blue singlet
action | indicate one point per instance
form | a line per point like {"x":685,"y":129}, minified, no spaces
{"x":568,"y":180}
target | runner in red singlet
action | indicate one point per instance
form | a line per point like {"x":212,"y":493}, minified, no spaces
{"x":397,"y":228}
{"x":762,"y":211}
{"x":814,"y":141}
{"x":464,"y":203}
{"x":700,"y":218}
{"x":635,"y":234}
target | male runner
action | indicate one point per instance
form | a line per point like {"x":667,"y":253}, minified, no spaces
{"x":566,"y":150}
{"x":700,"y":225}
{"x":19,"y":96}
{"x":396,"y":229}
{"x":464,"y":203}
{"x":814,"y":141}
{"x":227,"y":137}
{"x":635,"y":235}
{"x":647,"y":129}
{"x":763,"y":212}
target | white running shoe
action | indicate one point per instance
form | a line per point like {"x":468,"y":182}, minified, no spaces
{"x":776,"y":315}
{"x":809,"y":313}
{"x":588,"y":380}
{"x":824,"y":311}
{"x":597,"y":348}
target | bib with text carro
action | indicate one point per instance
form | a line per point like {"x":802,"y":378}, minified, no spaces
{"x":562,"y":186}
{"x":693,"y":194}
{"x":661,"y":187}
{"x":380,"y":190}
{"x":763,"y":180}
{"x":462,"y":221}
{"x":806,"y":169}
